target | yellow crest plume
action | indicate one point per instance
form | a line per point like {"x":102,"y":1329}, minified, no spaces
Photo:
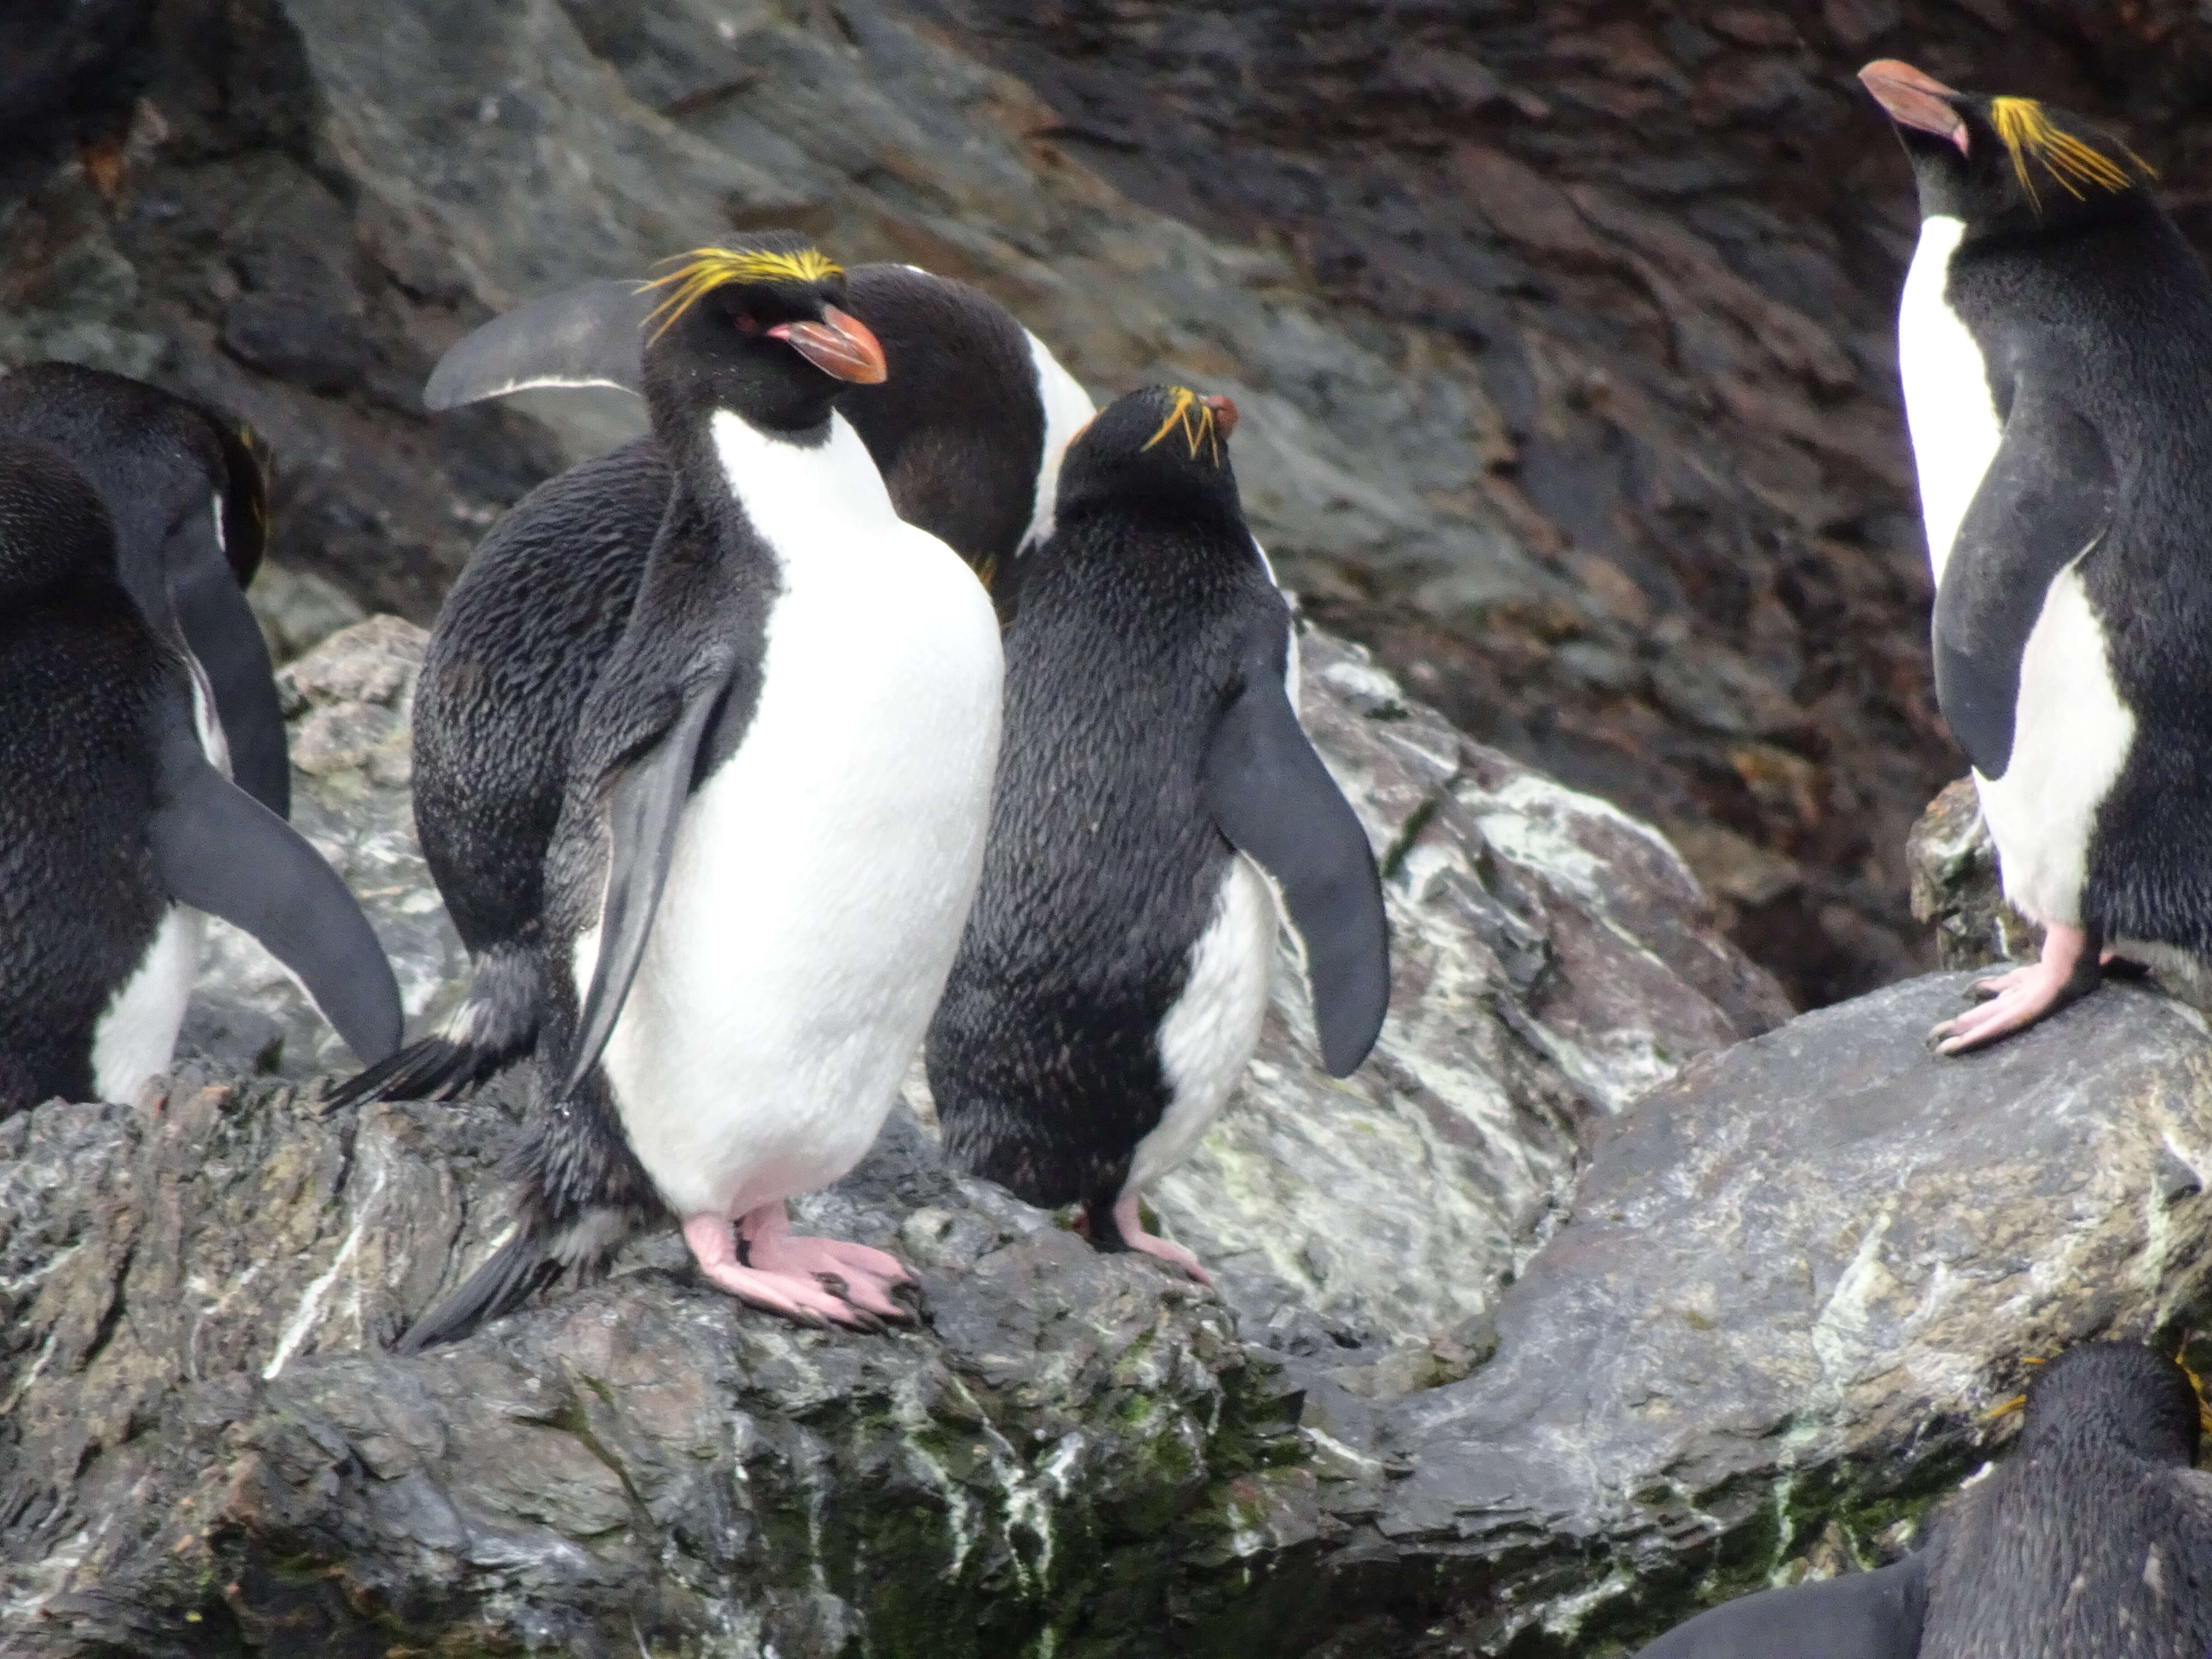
{"x":1193,"y":419}
{"x":706,"y":269}
{"x":2203,"y":1406}
{"x":2027,"y":134}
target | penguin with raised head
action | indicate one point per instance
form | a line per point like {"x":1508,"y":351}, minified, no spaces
{"x":2091,"y":1540}
{"x":186,"y":490}
{"x":2055,"y":340}
{"x":775,"y":799}
{"x":117,"y":830}
{"x":966,"y":431}
{"x":1155,"y":792}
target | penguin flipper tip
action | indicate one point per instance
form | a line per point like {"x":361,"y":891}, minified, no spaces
{"x":435,"y":1068}
{"x":518,"y":1270}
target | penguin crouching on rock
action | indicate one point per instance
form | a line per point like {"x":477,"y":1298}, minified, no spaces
{"x":2091,"y":1540}
{"x":966,"y":431}
{"x":2055,"y":342}
{"x":188,"y":496}
{"x":117,"y":830}
{"x":776,"y":794}
{"x":1154,"y":785}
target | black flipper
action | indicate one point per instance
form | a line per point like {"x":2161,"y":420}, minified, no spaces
{"x":1860,"y":1615}
{"x":589,"y":336}
{"x":494,"y":1026}
{"x":1271,"y":796}
{"x":2045,"y":500}
{"x":219,"y":850}
{"x":644,"y":804}
{"x":517,"y":1271}
{"x":219,"y":626}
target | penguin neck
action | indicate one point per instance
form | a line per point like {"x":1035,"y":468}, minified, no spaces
{"x":2100,"y":1431}
{"x":793,"y":492}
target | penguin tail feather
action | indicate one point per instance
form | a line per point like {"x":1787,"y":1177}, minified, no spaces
{"x":495,"y":1025}
{"x":530,"y":1261}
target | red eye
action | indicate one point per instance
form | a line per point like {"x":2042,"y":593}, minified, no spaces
{"x":746,"y":322}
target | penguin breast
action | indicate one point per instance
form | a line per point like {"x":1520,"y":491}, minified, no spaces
{"x":821,"y":874}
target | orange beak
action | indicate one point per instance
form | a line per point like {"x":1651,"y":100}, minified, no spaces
{"x":1224,"y":415}
{"x":1914,"y":100}
{"x":840,"y":345}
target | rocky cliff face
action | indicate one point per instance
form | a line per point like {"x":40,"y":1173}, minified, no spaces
{"x":1561,"y":329}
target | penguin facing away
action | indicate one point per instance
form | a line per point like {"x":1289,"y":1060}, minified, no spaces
{"x":117,"y":830}
{"x":966,"y":431}
{"x":2091,"y":1540}
{"x":2055,"y":342}
{"x":1154,"y":785}
{"x":187,"y":493}
{"x":775,"y":799}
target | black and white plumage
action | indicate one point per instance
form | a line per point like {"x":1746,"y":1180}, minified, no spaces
{"x":186,"y":489}
{"x":967,"y":433}
{"x":2055,"y":340}
{"x":2091,"y":1540}
{"x":966,"y":430}
{"x":117,"y":830}
{"x":1154,"y":781}
{"x":775,"y":787}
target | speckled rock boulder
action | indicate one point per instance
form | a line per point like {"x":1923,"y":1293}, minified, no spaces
{"x":347,"y":705}
{"x":202,"y":1449}
{"x":1795,"y":1279}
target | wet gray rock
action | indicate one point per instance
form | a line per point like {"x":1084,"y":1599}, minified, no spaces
{"x":1796,"y":1279}
{"x":202,"y":1449}
{"x":1797,"y":1276}
{"x":347,"y":707}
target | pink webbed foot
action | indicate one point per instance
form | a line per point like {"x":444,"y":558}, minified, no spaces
{"x":798,"y":1298}
{"x":1129,"y":1222}
{"x":867,"y":1276}
{"x":2067,"y":971}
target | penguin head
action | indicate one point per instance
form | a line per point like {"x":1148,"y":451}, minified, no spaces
{"x":760,"y":331}
{"x":2119,"y":1391}
{"x":2003,"y":163}
{"x":1158,"y":444}
{"x":159,"y":459}
{"x":54,"y":532}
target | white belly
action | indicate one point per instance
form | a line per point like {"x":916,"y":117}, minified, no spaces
{"x":820,"y":879}
{"x":136,"y":1033}
{"x":2070,"y":736}
{"x":1947,"y":406}
{"x":1208,"y":1037}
